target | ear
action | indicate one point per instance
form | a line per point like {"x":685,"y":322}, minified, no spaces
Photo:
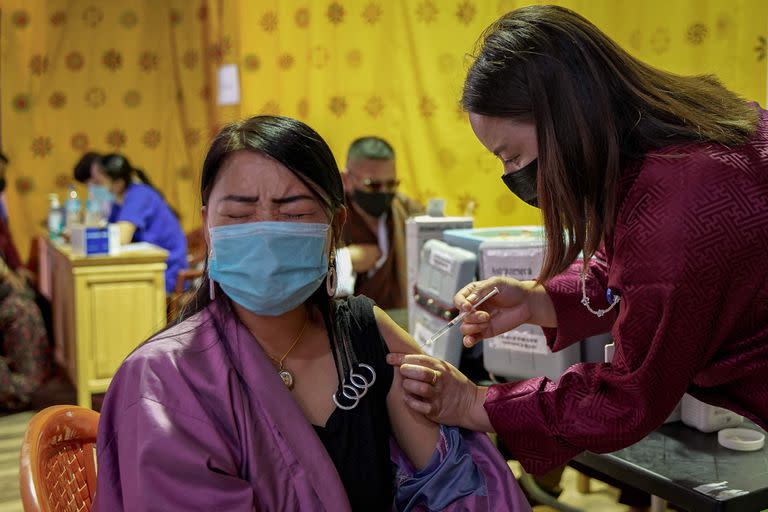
{"x":338,"y":223}
{"x":346,"y":180}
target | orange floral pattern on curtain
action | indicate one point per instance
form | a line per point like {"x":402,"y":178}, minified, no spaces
{"x":395,"y":69}
{"x":139,"y":78}
{"x":87,"y":75}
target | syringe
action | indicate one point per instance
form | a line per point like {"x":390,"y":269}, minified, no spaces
{"x":459,"y":318}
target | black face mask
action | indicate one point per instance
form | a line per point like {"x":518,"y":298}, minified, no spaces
{"x":374,"y":204}
{"x":3,"y":184}
{"x":522,"y":183}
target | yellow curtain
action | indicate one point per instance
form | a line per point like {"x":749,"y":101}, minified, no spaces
{"x":395,"y":69}
{"x":105,"y":76}
{"x":139,"y":78}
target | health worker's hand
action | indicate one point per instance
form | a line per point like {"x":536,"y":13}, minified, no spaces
{"x":517,"y":303}
{"x":442,"y":393}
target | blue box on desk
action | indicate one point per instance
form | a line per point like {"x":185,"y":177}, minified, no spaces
{"x":89,"y":241}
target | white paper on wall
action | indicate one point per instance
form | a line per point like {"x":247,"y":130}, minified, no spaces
{"x":229,"y":85}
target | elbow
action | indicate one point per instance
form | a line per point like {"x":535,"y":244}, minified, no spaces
{"x":638,"y":420}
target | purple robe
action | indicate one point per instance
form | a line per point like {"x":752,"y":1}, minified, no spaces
{"x":193,"y":422}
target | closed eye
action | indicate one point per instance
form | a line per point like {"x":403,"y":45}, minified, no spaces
{"x":514,"y":160}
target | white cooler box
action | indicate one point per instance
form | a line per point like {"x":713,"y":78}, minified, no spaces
{"x":417,"y":231}
{"x":443,"y":271}
{"x":523,"y":352}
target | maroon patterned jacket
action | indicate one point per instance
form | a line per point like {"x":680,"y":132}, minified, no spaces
{"x":689,"y":256}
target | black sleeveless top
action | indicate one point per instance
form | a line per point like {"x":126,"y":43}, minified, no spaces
{"x":358,"y":440}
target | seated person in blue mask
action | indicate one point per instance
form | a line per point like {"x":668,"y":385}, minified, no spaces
{"x":268,"y":394}
{"x":143,"y":214}
{"x":89,"y":171}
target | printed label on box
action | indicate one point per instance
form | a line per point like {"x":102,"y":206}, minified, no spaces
{"x":520,"y":341}
{"x":518,"y":263}
{"x":441,"y":261}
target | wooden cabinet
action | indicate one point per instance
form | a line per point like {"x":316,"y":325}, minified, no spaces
{"x":103,"y":308}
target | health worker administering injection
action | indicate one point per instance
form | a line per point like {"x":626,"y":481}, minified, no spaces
{"x":661,"y":181}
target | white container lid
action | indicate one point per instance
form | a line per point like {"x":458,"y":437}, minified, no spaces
{"x":741,"y":439}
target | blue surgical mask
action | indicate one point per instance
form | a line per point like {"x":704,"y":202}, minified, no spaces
{"x":269,"y":268}
{"x":100,"y":194}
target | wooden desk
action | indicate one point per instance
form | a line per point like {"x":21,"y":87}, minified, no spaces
{"x":103,"y":307}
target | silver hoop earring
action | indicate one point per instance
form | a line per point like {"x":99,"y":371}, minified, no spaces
{"x":331,"y":282}
{"x":211,"y":289}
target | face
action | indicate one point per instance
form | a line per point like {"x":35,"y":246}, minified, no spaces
{"x":513,"y":142}
{"x":98,"y":177}
{"x":372,"y":175}
{"x":252,"y":187}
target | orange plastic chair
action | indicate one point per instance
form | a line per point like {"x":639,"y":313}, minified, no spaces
{"x":58,"y":460}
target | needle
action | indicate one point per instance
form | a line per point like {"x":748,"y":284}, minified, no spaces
{"x":459,"y":318}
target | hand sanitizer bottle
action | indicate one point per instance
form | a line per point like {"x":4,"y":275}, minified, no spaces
{"x":55,"y":217}
{"x":72,"y":208}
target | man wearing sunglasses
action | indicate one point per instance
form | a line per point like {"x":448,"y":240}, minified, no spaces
{"x":374,"y":232}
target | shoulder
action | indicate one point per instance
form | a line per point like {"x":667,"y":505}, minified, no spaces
{"x":708,"y":163}
{"x":142,"y":191}
{"x":370,"y":319}
{"x":689,"y":203}
{"x":679,"y":182}
{"x":165,"y":367}
{"x":696,"y":161}
{"x":397,"y":339}
{"x":411,"y":206}
{"x":179,"y":377}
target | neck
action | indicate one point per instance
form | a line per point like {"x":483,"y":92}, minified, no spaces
{"x":275,"y":334}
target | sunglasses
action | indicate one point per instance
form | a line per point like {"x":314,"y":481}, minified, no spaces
{"x":379,"y":186}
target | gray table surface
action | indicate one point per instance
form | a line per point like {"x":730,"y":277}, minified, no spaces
{"x":672,"y":461}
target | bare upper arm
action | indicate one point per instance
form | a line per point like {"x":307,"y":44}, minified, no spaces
{"x":416,"y":435}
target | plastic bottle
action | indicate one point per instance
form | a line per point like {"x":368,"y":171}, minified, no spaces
{"x":72,"y":208}
{"x":55,"y":217}
{"x":93,"y":216}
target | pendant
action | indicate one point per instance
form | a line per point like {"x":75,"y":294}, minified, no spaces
{"x":287,"y":378}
